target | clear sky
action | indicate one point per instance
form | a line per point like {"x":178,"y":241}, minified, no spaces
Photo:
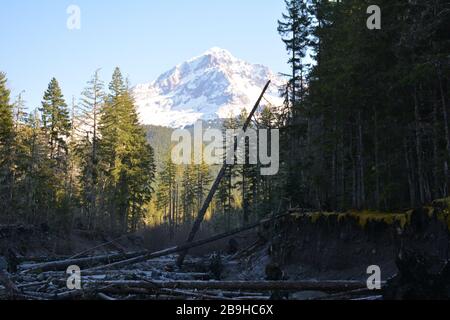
{"x":143,"y":37}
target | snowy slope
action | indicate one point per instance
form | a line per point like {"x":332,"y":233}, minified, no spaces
{"x":211,"y":86}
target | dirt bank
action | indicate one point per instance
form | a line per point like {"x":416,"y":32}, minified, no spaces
{"x":342,"y":246}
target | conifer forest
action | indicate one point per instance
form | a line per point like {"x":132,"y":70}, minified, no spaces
{"x":330,"y":170}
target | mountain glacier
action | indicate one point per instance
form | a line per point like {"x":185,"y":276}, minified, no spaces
{"x":214,"y":85}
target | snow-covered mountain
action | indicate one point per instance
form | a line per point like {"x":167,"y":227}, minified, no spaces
{"x":212,"y":86}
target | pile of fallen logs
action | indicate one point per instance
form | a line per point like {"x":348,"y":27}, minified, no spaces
{"x":153,"y":279}
{"x":153,"y":275}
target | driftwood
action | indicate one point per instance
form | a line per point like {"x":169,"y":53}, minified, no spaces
{"x":105,"y":297}
{"x":81,"y":262}
{"x":118,"y":273}
{"x":201,"y":214}
{"x":325,"y":286}
{"x":234,"y":294}
{"x":348,"y":295}
{"x":199,"y":295}
{"x":144,"y":284}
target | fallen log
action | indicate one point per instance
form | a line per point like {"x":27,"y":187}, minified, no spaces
{"x":105,"y":297}
{"x":324,"y":286}
{"x":260,"y":298}
{"x":81,"y":262}
{"x":185,"y":246}
{"x":31,"y":284}
{"x":138,"y":273}
{"x":348,"y":295}
{"x":235,"y":294}
{"x":198,"y":295}
{"x":371,"y":298}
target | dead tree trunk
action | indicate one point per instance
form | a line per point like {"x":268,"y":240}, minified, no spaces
{"x":215,"y":186}
{"x":184,"y":247}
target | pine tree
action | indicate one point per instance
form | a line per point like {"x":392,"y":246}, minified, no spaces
{"x":56,"y":123}
{"x":127,"y":160}
{"x":225,"y":196}
{"x":188,"y":193}
{"x":39,"y":183}
{"x":88,"y":147}
{"x":247,"y":175}
{"x":6,"y":144}
{"x":295,"y":30}
{"x":18,"y":155}
{"x":202,"y":183}
{"x":166,"y":193}
{"x":371,"y":130}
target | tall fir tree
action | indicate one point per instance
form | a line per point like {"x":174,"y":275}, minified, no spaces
{"x":92,"y":103}
{"x":6,"y":144}
{"x":127,"y":160}
{"x":56,"y":123}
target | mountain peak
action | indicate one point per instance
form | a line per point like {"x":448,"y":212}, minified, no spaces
{"x":216,"y":51}
{"x":210,"y":86}
{"x":213,"y":57}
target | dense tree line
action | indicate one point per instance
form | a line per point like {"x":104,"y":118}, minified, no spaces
{"x":243,"y":195}
{"x":367,"y":123}
{"x":85,"y":166}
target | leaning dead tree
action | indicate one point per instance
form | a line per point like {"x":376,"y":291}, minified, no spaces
{"x":119,"y":260}
{"x":220,"y":175}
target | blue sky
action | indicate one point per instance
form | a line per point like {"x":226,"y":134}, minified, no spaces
{"x":143,"y":37}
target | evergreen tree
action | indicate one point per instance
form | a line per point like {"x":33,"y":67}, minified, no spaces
{"x":6,"y":144}
{"x":188,"y":194}
{"x":372,"y":128}
{"x":202,"y":183}
{"x":225,"y":196}
{"x":91,"y":104}
{"x":166,"y":191}
{"x":295,"y":30}
{"x":127,"y":160}
{"x":56,"y":123}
